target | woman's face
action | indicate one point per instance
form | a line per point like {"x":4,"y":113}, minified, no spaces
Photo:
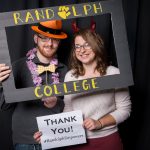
{"x":83,"y":51}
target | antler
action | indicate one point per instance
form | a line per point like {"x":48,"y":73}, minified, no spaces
{"x":93,"y":25}
{"x":74,"y":27}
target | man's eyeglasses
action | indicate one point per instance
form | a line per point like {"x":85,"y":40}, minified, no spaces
{"x":46,"y":39}
{"x":86,"y":46}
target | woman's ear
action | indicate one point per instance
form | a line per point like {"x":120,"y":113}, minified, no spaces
{"x":35,"y":38}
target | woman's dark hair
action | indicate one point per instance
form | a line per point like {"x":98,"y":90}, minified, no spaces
{"x":97,"y":45}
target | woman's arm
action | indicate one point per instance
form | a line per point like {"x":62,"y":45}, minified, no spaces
{"x":121,"y":113}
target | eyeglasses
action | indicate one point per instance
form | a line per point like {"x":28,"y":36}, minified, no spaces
{"x":46,"y":39}
{"x":86,"y":46}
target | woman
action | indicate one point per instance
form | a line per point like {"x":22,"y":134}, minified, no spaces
{"x":102,"y":110}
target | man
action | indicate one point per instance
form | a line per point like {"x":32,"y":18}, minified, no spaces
{"x":27,"y":73}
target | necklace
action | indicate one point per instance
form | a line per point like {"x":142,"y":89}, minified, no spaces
{"x":37,"y":80}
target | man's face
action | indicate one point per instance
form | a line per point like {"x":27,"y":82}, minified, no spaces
{"x":47,"y":46}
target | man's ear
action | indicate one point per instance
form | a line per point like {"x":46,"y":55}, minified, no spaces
{"x":35,"y":38}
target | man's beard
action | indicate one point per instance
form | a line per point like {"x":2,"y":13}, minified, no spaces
{"x":48,"y":54}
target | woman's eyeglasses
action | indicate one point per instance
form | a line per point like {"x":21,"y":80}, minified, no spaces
{"x":86,"y":46}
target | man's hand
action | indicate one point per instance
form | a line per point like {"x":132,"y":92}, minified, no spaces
{"x":50,"y":102}
{"x":91,"y":124}
{"x":37,"y":136}
{"x":4,"y":72}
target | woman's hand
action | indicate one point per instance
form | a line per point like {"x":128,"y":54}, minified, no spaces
{"x":4,"y":72}
{"x":50,"y":102}
{"x":91,"y":124}
{"x":37,"y":136}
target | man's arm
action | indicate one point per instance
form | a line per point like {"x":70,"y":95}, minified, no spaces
{"x":60,"y":103}
{"x":4,"y":106}
{"x":4,"y":74}
{"x":55,"y":103}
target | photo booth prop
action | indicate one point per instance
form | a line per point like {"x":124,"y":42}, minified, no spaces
{"x":61,"y":129}
{"x":74,"y":11}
